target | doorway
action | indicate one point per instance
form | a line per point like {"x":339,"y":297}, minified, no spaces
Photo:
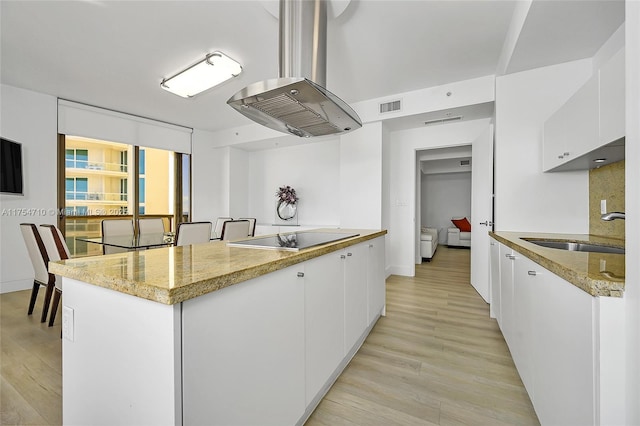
{"x":481,"y":212}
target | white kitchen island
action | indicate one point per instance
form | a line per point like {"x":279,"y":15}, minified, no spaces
{"x":211,"y":334}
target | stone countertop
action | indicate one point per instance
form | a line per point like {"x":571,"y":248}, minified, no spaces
{"x":599,"y":274}
{"x":174,"y":274}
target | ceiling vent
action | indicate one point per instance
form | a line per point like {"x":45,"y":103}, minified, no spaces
{"x":390,"y":106}
{"x":442,"y":120}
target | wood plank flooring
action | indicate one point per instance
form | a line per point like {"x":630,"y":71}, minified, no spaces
{"x":435,"y":359}
{"x":31,"y":363}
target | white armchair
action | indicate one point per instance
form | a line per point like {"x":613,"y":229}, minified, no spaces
{"x":428,"y":243}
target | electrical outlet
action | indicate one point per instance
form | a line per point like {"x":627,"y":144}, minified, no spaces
{"x":603,"y":206}
{"x":67,"y":323}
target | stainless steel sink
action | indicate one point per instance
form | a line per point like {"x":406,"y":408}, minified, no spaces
{"x":572,"y":246}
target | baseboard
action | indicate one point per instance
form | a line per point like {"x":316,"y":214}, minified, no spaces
{"x":405,"y":271}
{"x":17,"y":285}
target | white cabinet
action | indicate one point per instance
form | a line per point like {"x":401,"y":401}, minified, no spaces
{"x":494,"y":279}
{"x":548,"y":324}
{"x":573,"y":129}
{"x":354,"y":259}
{"x":507,"y":294}
{"x":527,"y":276}
{"x":324,"y":320}
{"x":612,"y":99}
{"x":375,"y":279}
{"x":592,"y":118}
{"x":243,"y":353}
{"x":563,"y":350}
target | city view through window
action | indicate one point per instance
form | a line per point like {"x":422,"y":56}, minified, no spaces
{"x":99,"y":184}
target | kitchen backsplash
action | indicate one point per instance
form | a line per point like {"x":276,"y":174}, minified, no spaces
{"x":606,"y":183}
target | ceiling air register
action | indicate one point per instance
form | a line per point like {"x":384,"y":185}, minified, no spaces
{"x":297,"y":102}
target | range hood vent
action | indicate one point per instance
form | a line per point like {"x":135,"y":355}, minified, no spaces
{"x":297,"y":103}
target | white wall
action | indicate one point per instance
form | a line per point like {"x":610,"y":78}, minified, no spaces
{"x":361,"y":178}
{"x":29,"y":118}
{"x":238,"y":183}
{"x":526,"y":199}
{"x":632,"y":207}
{"x":445,"y":195}
{"x":313,"y":170}
{"x":402,"y":183}
{"x":209,"y":177}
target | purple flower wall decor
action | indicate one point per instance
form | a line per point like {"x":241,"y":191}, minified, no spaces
{"x":287,"y":194}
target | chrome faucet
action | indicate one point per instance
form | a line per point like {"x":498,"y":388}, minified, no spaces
{"x":612,"y":215}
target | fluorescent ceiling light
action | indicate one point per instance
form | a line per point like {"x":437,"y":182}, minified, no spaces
{"x":213,"y":70}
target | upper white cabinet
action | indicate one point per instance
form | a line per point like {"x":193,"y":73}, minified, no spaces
{"x":573,"y":129}
{"x":592,"y":118}
{"x":612,"y":100}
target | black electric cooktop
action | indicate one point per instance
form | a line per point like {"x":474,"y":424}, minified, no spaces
{"x":292,"y":241}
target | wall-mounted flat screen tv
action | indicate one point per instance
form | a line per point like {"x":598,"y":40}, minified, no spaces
{"x":10,"y":167}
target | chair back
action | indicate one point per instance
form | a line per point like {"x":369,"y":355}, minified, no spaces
{"x":150,"y":225}
{"x":218,"y":227}
{"x":116,"y":227}
{"x":54,"y":242}
{"x":235,"y":229}
{"x":252,"y":225}
{"x":56,"y":246}
{"x":37,"y":252}
{"x":193,"y":233}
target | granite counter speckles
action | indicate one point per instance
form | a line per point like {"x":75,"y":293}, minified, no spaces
{"x":599,"y":274}
{"x":174,"y":274}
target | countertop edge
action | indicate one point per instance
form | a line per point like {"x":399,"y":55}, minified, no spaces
{"x":171,"y":296}
{"x":594,"y":287}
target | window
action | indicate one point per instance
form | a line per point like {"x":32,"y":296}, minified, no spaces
{"x":141,"y":189}
{"x":76,"y":188}
{"x":76,"y":158}
{"x":123,"y":189}
{"x":105,"y":187}
{"x":124,"y":160}
{"x":141,"y":162}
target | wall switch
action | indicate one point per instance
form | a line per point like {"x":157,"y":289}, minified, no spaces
{"x":603,"y":206}
{"x":67,"y":323}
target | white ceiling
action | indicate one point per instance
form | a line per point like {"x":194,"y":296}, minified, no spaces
{"x":113,"y":54}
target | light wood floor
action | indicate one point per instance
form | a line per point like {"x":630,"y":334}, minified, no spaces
{"x":31,"y":364}
{"x":436,"y":358}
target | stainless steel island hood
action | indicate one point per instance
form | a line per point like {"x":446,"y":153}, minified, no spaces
{"x":297,"y":102}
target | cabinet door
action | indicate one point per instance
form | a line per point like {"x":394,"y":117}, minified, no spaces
{"x":506,"y":294}
{"x":574,"y":129}
{"x":563,"y":351}
{"x":582,"y":121}
{"x":494,"y":279}
{"x":376,"y":286}
{"x":324,"y":320}
{"x":355,"y":294}
{"x":527,"y":275}
{"x":612,"y":99}
{"x":554,"y":140}
{"x":243,"y":353}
